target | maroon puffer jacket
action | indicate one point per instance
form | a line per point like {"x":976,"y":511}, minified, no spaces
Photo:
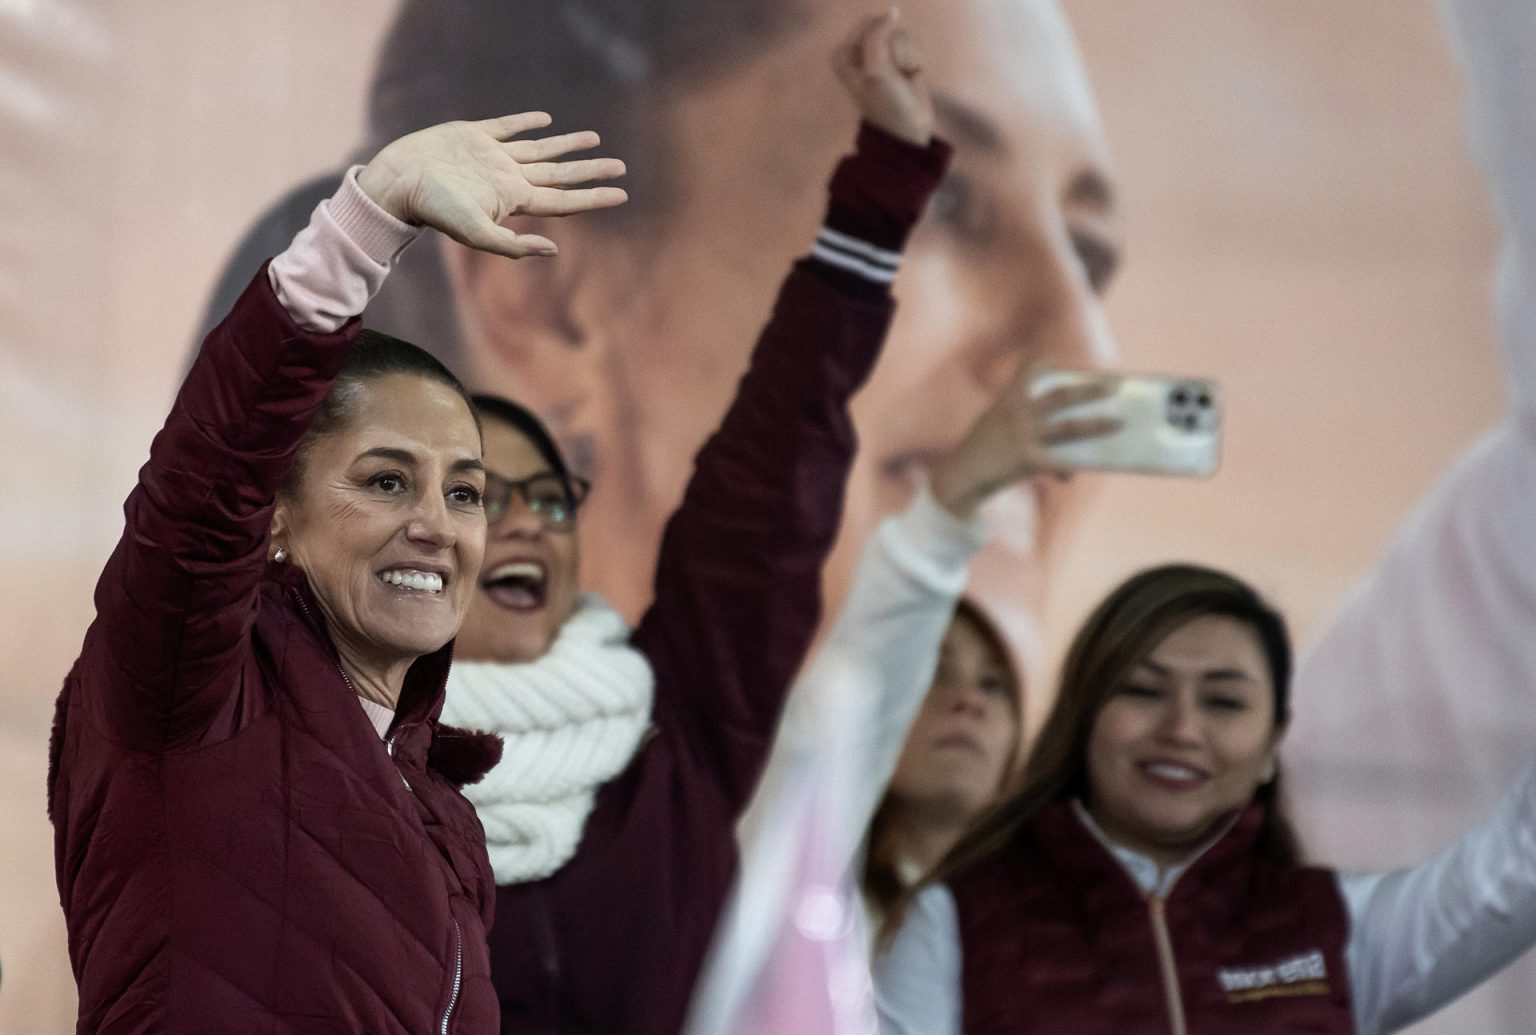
{"x":1057,"y":940}
{"x":236,"y":850}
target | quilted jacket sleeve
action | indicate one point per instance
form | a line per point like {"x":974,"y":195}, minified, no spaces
{"x":738,"y":577}
{"x":174,"y":606}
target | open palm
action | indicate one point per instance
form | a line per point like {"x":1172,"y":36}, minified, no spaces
{"x":466,"y":178}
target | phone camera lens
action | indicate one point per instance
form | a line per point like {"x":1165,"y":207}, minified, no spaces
{"x":1204,"y":401}
{"x":1180,"y":397}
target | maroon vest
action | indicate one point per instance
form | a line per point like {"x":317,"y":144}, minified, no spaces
{"x":1056,"y":937}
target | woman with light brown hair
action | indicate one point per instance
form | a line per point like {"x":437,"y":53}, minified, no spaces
{"x":955,"y":762}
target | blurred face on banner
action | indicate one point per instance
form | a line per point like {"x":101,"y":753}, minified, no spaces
{"x":631,"y":345}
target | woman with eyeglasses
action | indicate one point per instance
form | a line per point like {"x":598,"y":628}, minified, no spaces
{"x":610,"y":821}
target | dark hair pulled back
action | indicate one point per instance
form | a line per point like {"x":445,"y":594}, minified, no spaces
{"x":371,"y":356}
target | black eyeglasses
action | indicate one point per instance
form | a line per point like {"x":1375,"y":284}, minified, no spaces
{"x":545,"y":494}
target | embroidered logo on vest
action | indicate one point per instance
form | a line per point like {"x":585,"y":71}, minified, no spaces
{"x":1303,"y":975}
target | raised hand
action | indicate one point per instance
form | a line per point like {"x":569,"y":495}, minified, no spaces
{"x":1011,"y":441}
{"x":465,"y":178}
{"x":882,"y":69}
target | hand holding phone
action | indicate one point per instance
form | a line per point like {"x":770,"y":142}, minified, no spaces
{"x":1168,"y":425}
{"x":1012,"y":441}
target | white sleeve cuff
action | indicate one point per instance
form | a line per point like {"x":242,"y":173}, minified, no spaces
{"x":932,"y":543}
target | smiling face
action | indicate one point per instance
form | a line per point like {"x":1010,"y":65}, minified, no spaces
{"x":528,"y":584}
{"x":386,"y":522}
{"x":633,"y":352}
{"x":958,"y":750}
{"x":1185,"y":741}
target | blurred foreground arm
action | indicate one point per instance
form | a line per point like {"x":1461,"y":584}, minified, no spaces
{"x":1452,"y":602}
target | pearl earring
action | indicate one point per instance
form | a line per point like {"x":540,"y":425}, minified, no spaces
{"x":279,"y":556}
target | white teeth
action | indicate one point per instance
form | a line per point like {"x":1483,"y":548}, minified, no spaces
{"x":1173,"y":772}
{"x":515,"y":570}
{"x":411,"y":579}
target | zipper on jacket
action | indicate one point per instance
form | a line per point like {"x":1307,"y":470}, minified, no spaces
{"x":320,"y":629}
{"x":1166,"y":964}
{"x":458,"y":976}
{"x":389,"y":745}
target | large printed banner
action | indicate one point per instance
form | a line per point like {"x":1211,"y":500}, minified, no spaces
{"x":1278,"y":196}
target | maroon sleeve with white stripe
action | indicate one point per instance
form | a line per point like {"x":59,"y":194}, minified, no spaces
{"x":878,"y":194}
{"x":738,"y":583}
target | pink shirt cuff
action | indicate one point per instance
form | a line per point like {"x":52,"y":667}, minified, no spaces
{"x":339,"y":261}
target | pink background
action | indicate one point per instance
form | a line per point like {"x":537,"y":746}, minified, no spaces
{"x":1301,"y":221}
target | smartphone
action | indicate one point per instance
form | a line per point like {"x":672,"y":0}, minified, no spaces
{"x":1169,"y":425}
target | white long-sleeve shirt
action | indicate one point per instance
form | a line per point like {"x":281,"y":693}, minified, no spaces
{"x":843,"y":729}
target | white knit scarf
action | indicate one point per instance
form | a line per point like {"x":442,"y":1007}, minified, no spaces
{"x":571,"y":720}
